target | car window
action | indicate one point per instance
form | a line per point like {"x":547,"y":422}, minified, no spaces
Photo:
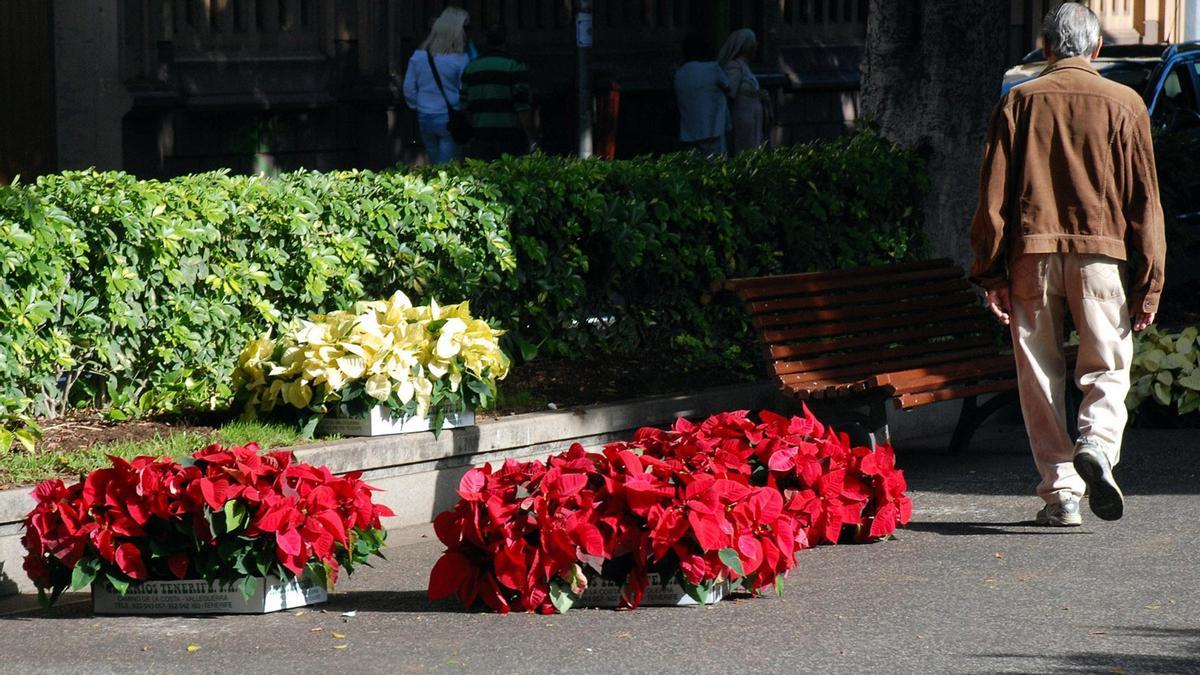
{"x":1132,"y":75}
{"x":1177,"y":106}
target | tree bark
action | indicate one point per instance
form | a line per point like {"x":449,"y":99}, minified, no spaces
{"x":931,"y":76}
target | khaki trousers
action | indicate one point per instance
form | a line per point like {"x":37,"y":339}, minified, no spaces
{"x":1092,"y":287}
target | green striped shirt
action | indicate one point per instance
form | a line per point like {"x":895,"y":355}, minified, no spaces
{"x":495,"y":88}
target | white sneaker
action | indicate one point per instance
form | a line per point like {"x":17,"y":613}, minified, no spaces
{"x":1060,"y":514}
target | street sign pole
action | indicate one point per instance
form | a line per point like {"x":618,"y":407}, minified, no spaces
{"x":583,"y":43}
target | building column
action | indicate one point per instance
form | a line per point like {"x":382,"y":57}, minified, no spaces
{"x":91,"y":98}
{"x":1191,"y":22}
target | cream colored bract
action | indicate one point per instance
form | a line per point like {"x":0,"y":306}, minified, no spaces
{"x":407,"y":357}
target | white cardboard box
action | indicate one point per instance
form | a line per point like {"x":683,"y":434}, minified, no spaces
{"x":604,"y":593}
{"x":381,"y":423}
{"x":195,"y":596}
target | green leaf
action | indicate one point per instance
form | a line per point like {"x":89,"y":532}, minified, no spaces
{"x":82,"y":577}
{"x":731,"y":560}
{"x":697,"y":592}
{"x":235,"y":515}
{"x":779,"y":585}
{"x":561,"y":595}
{"x":249,"y":586}
{"x":309,"y":425}
{"x":121,"y":585}
{"x":1191,"y":380}
{"x":1162,"y":393}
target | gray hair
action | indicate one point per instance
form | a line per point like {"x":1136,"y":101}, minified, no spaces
{"x":1071,"y":29}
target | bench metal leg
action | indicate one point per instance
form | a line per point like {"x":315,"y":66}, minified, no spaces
{"x":973,"y":415}
{"x":864,"y":421}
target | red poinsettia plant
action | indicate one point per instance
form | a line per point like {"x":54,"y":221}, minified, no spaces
{"x":224,"y":515}
{"x":729,"y":499}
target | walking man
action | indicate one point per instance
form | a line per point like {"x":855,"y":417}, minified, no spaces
{"x":496,"y":95}
{"x":1068,"y":199}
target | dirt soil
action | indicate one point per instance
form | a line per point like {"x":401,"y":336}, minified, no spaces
{"x":84,"y":429}
{"x":529,"y":388}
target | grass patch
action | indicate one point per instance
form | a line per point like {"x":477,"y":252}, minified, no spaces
{"x":24,"y":468}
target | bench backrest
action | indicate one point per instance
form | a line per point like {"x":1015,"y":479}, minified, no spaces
{"x":830,"y":332}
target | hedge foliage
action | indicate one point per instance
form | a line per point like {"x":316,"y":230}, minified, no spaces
{"x":136,"y":296}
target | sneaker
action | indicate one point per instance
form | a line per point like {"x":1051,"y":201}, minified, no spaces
{"x":1060,"y":514}
{"x":1104,"y":497}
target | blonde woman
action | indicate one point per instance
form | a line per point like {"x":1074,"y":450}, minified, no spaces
{"x":446,"y":50}
{"x":746,"y":97}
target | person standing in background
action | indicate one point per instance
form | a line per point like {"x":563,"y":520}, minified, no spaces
{"x":746,"y":96}
{"x":701,"y":91}
{"x":496,"y":96}
{"x":447,"y":45}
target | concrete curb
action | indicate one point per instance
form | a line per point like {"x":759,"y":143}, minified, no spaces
{"x":418,"y":474}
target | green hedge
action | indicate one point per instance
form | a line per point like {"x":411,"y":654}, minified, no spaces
{"x":136,"y":296}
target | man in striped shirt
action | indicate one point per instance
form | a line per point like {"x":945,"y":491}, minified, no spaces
{"x":495,"y":93}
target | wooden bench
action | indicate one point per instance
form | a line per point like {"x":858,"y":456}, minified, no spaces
{"x":913,"y":333}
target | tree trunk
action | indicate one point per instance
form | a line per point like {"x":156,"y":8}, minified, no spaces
{"x":931,"y":77}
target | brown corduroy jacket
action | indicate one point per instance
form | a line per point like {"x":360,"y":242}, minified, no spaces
{"x":1069,"y":168}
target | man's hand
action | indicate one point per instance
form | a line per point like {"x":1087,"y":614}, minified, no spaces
{"x":999,"y":303}
{"x":1142,"y":321}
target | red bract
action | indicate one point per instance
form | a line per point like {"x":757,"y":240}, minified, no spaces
{"x":228,"y":514}
{"x":728,"y":498}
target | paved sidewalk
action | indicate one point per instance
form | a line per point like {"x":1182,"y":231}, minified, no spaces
{"x":971,"y":586}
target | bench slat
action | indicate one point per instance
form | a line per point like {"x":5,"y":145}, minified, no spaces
{"x":937,"y":377}
{"x":877,"y":270}
{"x":866,"y":370}
{"x":888,"y":293}
{"x":910,"y":401}
{"x":800,"y":349}
{"x":858,"y":327}
{"x":782,"y":368}
{"x":820,"y":285}
{"x":858,"y":312}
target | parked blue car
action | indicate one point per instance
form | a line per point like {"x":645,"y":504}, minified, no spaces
{"x":1167,"y":77}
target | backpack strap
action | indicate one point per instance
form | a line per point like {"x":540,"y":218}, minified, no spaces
{"x":438,"y":79}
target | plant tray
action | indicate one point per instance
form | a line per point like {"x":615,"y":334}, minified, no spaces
{"x":605,"y":593}
{"x":381,"y":423}
{"x":196,"y":596}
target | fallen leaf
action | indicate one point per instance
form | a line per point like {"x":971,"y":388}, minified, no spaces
{"x":999,"y":555}
{"x":318,"y":629}
{"x":298,"y":612}
{"x":193,"y":648}
{"x":338,"y":636}
{"x":340,"y":646}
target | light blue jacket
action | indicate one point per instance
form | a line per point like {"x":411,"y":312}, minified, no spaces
{"x":701,"y":88}
{"x":421,"y":92}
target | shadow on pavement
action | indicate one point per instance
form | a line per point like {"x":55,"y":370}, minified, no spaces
{"x":966,"y":529}
{"x":393,"y":601}
{"x":1153,"y":462}
{"x":1183,"y":653}
{"x":361,"y":601}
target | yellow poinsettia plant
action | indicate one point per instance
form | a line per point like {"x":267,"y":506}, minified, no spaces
{"x":1165,"y":370}
{"x":415,"y":360}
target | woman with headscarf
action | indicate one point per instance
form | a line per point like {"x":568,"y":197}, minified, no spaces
{"x":445,"y":49}
{"x":746,"y":97}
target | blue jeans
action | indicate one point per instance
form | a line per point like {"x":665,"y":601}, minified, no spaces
{"x":437,"y":139}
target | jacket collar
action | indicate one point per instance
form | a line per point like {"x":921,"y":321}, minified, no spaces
{"x":1074,"y":62}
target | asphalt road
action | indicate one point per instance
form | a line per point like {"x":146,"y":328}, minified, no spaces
{"x":971,"y":586}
